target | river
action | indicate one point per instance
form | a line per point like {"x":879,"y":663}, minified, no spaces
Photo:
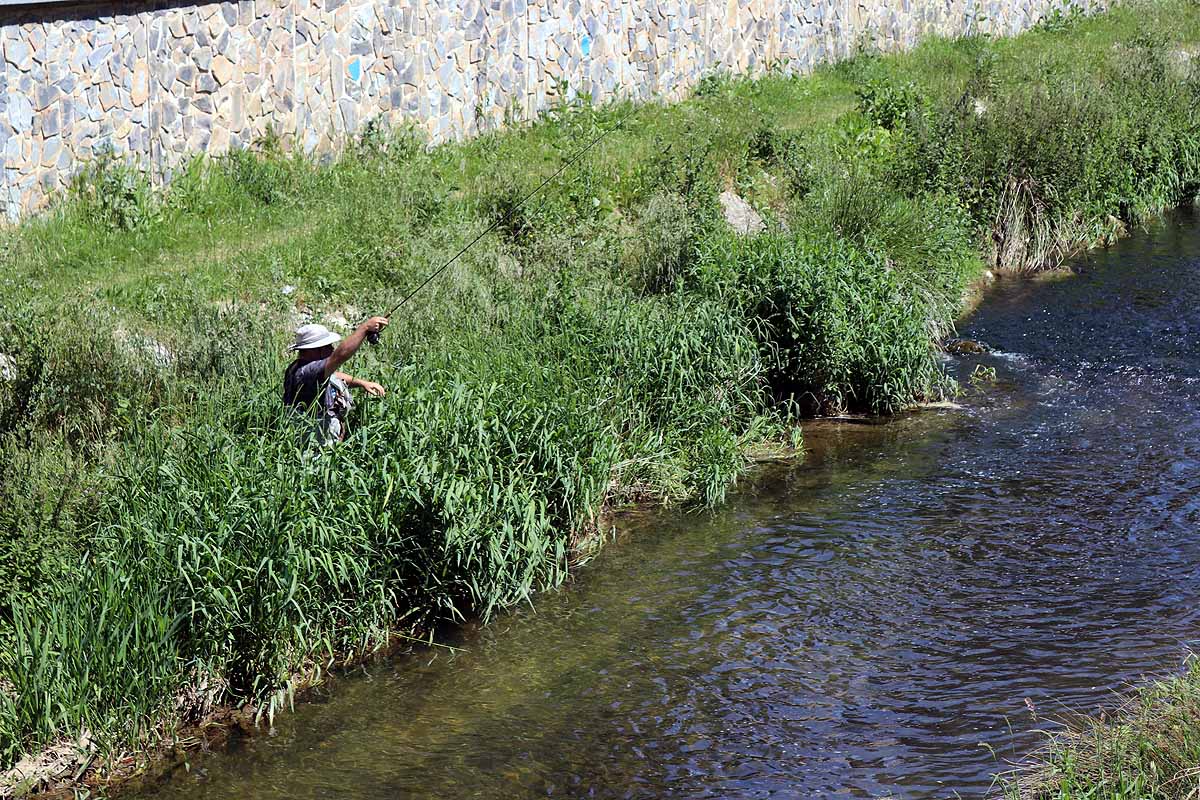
{"x":899,"y":615}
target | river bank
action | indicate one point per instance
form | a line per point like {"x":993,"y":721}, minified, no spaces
{"x":172,"y":554}
{"x":904,"y":614}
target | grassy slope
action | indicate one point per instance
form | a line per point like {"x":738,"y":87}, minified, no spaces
{"x":611,"y":341}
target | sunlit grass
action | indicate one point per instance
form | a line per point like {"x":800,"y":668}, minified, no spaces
{"x":611,"y":341}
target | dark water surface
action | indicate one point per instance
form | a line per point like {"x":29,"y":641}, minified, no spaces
{"x":869,"y":623}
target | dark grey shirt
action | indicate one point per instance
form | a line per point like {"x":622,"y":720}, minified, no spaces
{"x":304,"y":383}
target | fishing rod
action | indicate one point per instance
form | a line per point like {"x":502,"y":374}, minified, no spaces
{"x":373,"y":336}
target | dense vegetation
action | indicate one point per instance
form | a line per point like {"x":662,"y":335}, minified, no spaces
{"x":1148,"y":749}
{"x":169,"y":545}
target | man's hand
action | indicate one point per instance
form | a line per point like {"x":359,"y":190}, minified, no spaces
{"x":372,"y":388}
{"x":349,"y":346}
{"x":374,"y":325}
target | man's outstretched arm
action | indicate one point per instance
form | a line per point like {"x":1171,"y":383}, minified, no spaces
{"x":370,"y":387}
{"x":349,"y":346}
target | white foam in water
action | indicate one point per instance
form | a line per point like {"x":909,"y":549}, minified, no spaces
{"x":1015,"y":358}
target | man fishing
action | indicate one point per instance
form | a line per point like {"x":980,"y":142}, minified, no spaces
{"x":312,"y":383}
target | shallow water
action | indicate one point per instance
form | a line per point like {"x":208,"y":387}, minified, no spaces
{"x":897,"y":616}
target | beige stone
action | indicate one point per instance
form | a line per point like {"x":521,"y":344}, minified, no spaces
{"x":222,"y":69}
{"x":140,"y":89}
{"x":254,"y":106}
{"x":122,"y":129}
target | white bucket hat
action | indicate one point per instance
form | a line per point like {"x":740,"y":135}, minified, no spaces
{"x":310,"y":337}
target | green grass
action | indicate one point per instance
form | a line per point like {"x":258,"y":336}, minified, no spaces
{"x":171,"y":548}
{"x":1148,"y":749}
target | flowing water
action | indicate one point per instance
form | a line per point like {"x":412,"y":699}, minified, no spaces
{"x":897,"y":616}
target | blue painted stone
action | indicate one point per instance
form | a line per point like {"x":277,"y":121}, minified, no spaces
{"x":585,"y":45}
{"x":354,"y":69}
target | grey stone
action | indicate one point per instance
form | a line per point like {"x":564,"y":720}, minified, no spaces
{"x":18,"y":53}
{"x":206,"y":84}
{"x":20,"y":114}
{"x":349,"y":114}
{"x":46,"y":95}
{"x":67,"y":84}
{"x":100,"y":55}
{"x":230,"y":12}
{"x":51,"y":148}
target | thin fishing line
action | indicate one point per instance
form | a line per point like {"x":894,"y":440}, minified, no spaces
{"x":574,"y":159}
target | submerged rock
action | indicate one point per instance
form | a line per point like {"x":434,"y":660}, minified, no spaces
{"x":740,"y":215}
{"x":965,"y":347}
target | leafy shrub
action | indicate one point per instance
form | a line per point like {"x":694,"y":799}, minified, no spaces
{"x":111,"y":195}
{"x":1047,"y":169}
{"x":836,"y":326}
{"x":665,"y":241}
{"x":265,"y":174}
{"x":890,"y":105}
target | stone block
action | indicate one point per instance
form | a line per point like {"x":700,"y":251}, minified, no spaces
{"x":108,"y":97}
{"x":139,"y":90}
{"x":20,"y":114}
{"x":222,"y":70}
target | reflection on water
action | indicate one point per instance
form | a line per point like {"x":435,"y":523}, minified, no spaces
{"x":871,"y":622}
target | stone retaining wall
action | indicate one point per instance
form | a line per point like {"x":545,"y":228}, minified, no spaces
{"x":157,"y":82}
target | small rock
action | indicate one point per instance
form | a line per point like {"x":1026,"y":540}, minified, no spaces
{"x":966,"y":347}
{"x":740,"y":215}
{"x":8,"y":368}
{"x":337,"y":320}
{"x":288,"y":289}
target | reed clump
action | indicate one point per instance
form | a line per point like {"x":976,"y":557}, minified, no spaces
{"x":1149,"y":747}
{"x":172,"y":547}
